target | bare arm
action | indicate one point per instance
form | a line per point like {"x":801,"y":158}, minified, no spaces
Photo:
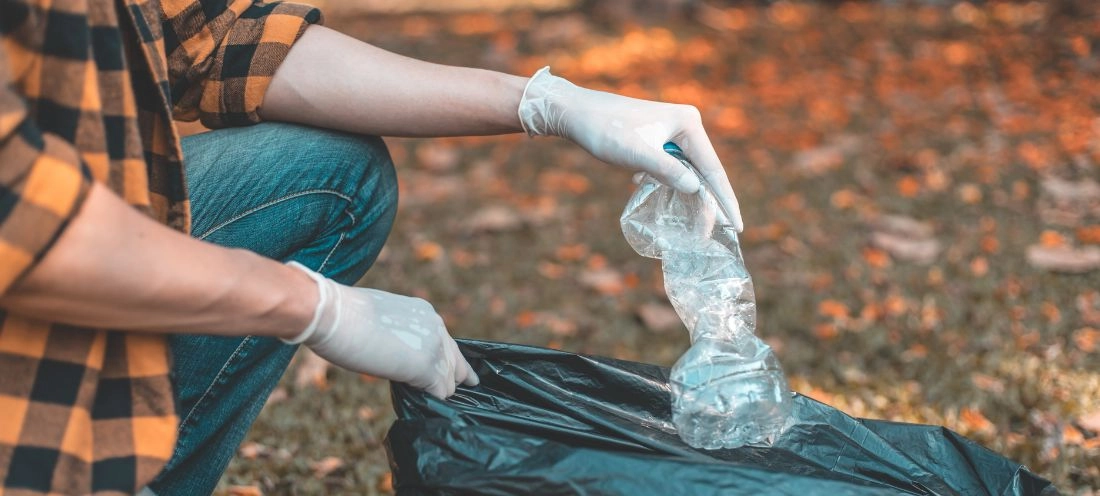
{"x":114,"y":267}
{"x":335,"y":81}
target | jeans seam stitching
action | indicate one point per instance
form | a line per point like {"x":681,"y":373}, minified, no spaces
{"x":214,"y":381}
{"x":330,"y":252}
{"x":271,"y":203}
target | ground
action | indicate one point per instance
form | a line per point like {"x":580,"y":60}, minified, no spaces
{"x":919,"y":185}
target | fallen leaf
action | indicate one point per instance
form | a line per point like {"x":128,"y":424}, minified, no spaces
{"x":526,"y":318}
{"x":843,"y":199}
{"x":251,"y":450}
{"x":826,"y":331}
{"x":987,"y":383}
{"x":979,"y":266}
{"x":1052,"y":239}
{"x":571,"y":253}
{"x":551,"y":270}
{"x":658,"y":317}
{"x":1087,"y":339}
{"x":970,"y":193}
{"x":1072,"y":436}
{"x":819,"y":160}
{"x":1064,"y":258}
{"x":921,"y":251}
{"x":277,"y":395}
{"x":436,"y":156}
{"x":1088,"y":305}
{"x":245,"y":491}
{"x":312,"y":370}
{"x":494,"y":218}
{"x":833,"y":309}
{"x":902,"y":226}
{"x":1091,"y":421}
{"x":556,"y":181}
{"x":1089,"y":235}
{"x":385,"y":482}
{"x":974,"y":421}
{"x":908,"y":187}
{"x":559,"y":326}
{"x":876,"y":258}
{"x":1071,"y":192}
{"x":427,"y":251}
{"x":326,"y":466}
{"x":605,"y":281}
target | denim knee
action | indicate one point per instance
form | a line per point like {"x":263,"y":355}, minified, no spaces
{"x":365,"y":163}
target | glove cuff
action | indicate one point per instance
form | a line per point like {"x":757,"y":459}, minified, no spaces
{"x":323,"y":297}
{"x":531,"y":110}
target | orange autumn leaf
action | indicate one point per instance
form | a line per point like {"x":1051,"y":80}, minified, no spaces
{"x":870,"y":312}
{"x":427,"y":251}
{"x":1052,"y":239}
{"x":1089,"y":235}
{"x":842,"y":199}
{"x":896,"y":305}
{"x":876,"y":258}
{"x":970,"y":193}
{"x":245,"y":491}
{"x":908,"y":187}
{"x":551,"y":270}
{"x":1070,"y":435}
{"x":571,"y":253}
{"x":1051,"y":312}
{"x":526,"y":318}
{"x":597,"y":262}
{"x":1087,"y":339}
{"x":990,"y":244}
{"x":974,"y":421}
{"x":385,"y":482}
{"x":1027,"y":340}
{"x":979,"y":266}
{"x":832,"y":309}
{"x":631,"y":280}
{"x":826,"y":331}
{"x":325,"y":466}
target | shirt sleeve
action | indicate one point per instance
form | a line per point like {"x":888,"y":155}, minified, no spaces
{"x":222,"y":55}
{"x":43,"y":183}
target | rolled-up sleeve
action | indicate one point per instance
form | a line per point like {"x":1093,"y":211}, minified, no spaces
{"x":222,"y":55}
{"x":42,"y":185}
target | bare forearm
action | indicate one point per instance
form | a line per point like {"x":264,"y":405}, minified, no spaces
{"x":335,"y":81}
{"x":115,"y":268}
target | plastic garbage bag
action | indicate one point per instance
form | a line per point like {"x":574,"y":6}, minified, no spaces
{"x":548,"y":422}
{"x":728,"y":389}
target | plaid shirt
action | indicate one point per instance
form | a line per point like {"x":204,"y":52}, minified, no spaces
{"x":88,"y":89}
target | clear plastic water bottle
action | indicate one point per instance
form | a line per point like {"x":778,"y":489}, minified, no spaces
{"x":728,"y":389}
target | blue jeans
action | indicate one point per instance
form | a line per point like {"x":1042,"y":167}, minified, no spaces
{"x":324,"y":199}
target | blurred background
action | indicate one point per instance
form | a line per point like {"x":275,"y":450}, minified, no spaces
{"x":919,"y":182}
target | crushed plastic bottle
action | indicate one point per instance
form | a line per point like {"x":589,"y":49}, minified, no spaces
{"x":728,"y":389}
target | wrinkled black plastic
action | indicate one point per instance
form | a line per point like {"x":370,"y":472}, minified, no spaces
{"x":549,"y":422}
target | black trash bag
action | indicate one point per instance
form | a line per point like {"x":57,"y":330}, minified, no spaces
{"x":549,"y":422}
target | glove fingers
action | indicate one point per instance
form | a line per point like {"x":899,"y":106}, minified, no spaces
{"x":439,"y":390}
{"x":458,"y":364}
{"x":700,"y":152}
{"x":471,"y":377}
{"x":666,"y":169}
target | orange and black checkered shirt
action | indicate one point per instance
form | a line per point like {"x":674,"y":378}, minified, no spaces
{"x":88,"y":90}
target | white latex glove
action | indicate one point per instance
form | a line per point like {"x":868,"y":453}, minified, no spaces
{"x":383,"y":334}
{"x":628,"y":132}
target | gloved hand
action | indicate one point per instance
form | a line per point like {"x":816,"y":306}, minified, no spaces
{"x":628,"y":132}
{"x":383,"y":334}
